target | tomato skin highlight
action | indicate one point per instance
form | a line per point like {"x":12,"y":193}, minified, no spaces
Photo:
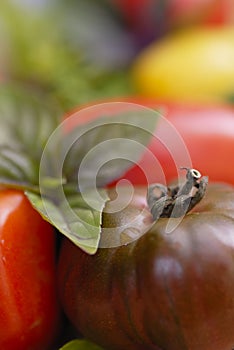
{"x":29,"y":308}
{"x":162,"y":291}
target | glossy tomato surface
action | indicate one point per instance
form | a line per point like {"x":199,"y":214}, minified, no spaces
{"x":29,"y":309}
{"x":165,"y":290}
{"x":197,"y":136}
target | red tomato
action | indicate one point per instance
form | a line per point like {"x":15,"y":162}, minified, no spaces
{"x":194,"y":11}
{"x":202,"y":135}
{"x":29,"y":311}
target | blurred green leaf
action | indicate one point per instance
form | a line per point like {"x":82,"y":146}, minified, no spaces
{"x":80,"y":345}
{"x":108,"y":146}
{"x":45,"y":51}
{"x":26,"y":124}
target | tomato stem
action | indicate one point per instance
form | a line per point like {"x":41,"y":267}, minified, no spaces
{"x":176,"y":201}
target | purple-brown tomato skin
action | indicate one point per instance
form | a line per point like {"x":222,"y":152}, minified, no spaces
{"x":162,"y":291}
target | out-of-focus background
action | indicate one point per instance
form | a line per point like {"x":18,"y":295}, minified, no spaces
{"x":178,"y":55}
{"x":78,"y":51}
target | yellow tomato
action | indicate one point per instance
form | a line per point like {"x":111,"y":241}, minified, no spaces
{"x":196,"y":65}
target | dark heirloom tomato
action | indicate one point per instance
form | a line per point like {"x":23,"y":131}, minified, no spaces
{"x":171,"y":291}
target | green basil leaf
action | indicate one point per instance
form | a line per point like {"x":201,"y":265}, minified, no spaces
{"x":26,"y":125}
{"x":38,"y":155}
{"x":16,"y":168}
{"x":77,"y":216}
{"x":80,"y":344}
{"x":26,"y":122}
{"x":105,"y":149}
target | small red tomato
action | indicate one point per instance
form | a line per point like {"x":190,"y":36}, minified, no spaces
{"x":29,"y":309}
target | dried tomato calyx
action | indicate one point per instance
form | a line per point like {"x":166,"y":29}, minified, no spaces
{"x":176,"y":201}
